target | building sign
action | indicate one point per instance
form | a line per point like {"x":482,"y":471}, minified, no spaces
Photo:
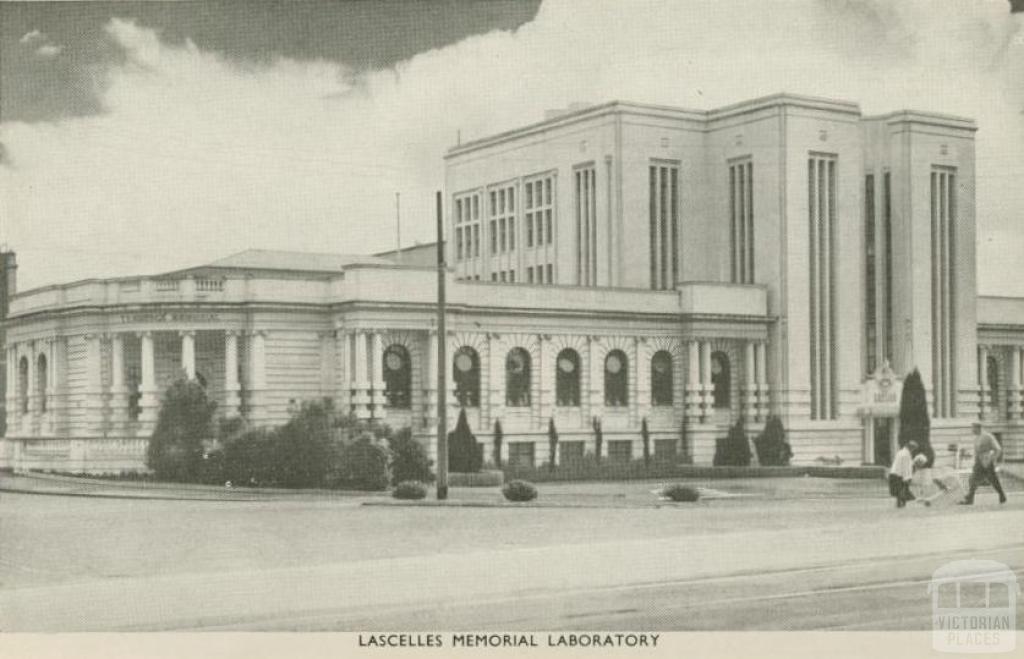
{"x":169,"y":317}
{"x":881,"y":393}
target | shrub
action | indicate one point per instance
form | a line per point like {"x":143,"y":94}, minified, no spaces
{"x":499,"y":435}
{"x":772,"y":448}
{"x":248,"y":459}
{"x":552,"y":443}
{"x":175,"y":450}
{"x":645,"y":436}
{"x":679,"y":492}
{"x":598,"y":438}
{"x":409,"y":461}
{"x":519,"y":491}
{"x":302,"y":448}
{"x":734,"y":449}
{"x":464,"y":453}
{"x":361,"y":465}
{"x":410,"y":490}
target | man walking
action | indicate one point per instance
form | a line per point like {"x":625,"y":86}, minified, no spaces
{"x":986,"y":451}
{"x":901,"y":472}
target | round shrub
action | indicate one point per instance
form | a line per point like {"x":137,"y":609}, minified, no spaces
{"x":681,"y":493}
{"x":410,"y":490}
{"x":519,"y":491}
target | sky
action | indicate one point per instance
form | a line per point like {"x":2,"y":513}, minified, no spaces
{"x":144,"y":137}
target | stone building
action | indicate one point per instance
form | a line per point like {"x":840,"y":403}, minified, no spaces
{"x":618,"y":262}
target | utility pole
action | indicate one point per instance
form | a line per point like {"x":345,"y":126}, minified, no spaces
{"x":442,"y":363}
{"x":398,"y":228}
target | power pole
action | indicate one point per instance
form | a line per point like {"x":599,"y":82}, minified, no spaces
{"x":442,"y":363}
{"x":398,"y":228}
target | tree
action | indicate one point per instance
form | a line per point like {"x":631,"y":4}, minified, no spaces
{"x":772,"y":448}
{"x":914,"y":422}
{"x":645,"y":435}
{"x":175,"y":450}
{"x":464,"y":453}
{"x":734,"y":449}
{"x":552,"y":443}
{"x":303,"y":450}
{"x":409,"y":460}
{"x":598,"y":438}
{"x":499,"y":435}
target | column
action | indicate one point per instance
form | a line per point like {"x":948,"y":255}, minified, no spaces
{"x":94,"y":387}
{"x":763,"y":395}
{"x":49,"y":422}
{"x":232,"y":388}
{"x":543,"y":373}
{"x":430,"y":398}
{"x":361,"y":383}
{"x":982,"y":381}
{"x":188,"y":353}
{"x":148,"y":394}
{"x":750,"y":382}
{"x":118,"y":391}
{"x":706,"y":387}
{"x":33,"y":395}
{"x":1013,"y":410}
{"x":342,"y":346}
{"x":595,"y":379}
{"x":258,"y":376}
{"x":693,"y":394}
{"x":640,"y":397}
{"x":377,"y":399}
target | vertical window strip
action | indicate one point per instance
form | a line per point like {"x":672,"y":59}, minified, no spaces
{"x":653,"y":225}
{"x":674,"y":209}
{"x":870,"y":298}
{"x":579,"y":232}
{"x":936,"y":292}
{"x":592,"y":196}
{"x":812,"y":205}
{"x":951,"y":225}
{"x":663,"y":227}
{"x":832,"y":343}
{"x":733,"y":252}
{"x":750,"y":223}
{"x":888,"y":348}
{"x":741,"y":236}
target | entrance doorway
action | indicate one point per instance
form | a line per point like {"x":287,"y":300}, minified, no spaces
{"x":883,"y":441}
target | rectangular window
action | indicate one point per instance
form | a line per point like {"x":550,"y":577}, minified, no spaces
{"x":511,"y":233}
{"x":586,"y":226}
{"x":521,"y":454}
{"x":529,"y":227}
{"x":822,"y":199}
{"x":870,"y":296}
{"x":466,"y":239}
{"x":550,"y":278}
{"x":503,"y":239}
{"x":494,"y":237}
{"x":547,"y":230}
{"x":458,"y":243}
{"x":529,"y":274}
{"x":663,"y":225}
{"x":494,"y":276}
{"x":503,"y":275}
{"x":476,"y":239}
{"x":538,"y":207}
{"x":620,"y":451}
{"x":741,"y":220}
{"x":570,"y":453}
{"x":943,"y":276}
{"x":512,"y":276}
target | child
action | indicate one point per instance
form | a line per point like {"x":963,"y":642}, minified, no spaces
{"x":901,"y":473}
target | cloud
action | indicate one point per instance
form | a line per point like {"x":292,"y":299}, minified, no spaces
{"x":49,"y":50}
{"x":29,"y":37}
{"x":195,"y":156}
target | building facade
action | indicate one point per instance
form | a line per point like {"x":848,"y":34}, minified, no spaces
{"x":612,"y":264}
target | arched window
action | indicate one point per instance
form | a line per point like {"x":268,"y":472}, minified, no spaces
{"x":517,"y":378}
{"x":467,"y":377}
{"x":41,"y":376}
{"x":661,"y":378}
{"x":567,"y":379}
{"x":398,"y":377}
{"x":616,"y":377}
{"x":721,"y":379}
{"x":23,"y":385}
